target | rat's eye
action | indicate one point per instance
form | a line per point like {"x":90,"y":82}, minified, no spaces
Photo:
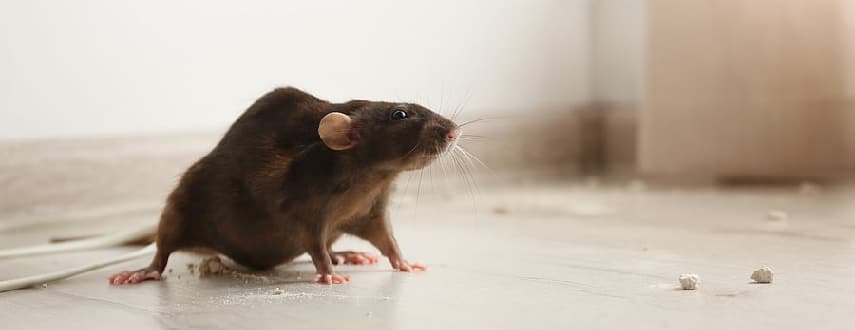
{"x":399,"y":114}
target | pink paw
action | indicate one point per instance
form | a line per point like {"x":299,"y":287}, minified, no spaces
{"x":409,"y":267}
{"x":135,"y":277}
{"x":354,"y":258}
{"x":329,"y":279}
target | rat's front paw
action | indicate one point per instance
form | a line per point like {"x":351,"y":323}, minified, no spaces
{"x":405,"y":266}
{"x":329,"y":279}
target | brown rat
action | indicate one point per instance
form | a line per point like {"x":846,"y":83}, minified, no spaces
{"x":292,"y":175}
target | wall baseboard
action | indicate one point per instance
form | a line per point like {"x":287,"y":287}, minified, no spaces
{"x":42,"y":176}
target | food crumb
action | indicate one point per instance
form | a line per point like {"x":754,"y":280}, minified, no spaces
{"x":212,"y":265}
{"x":689,"y":281}
{"x":762,"y":275}
{"x":777,"y":215}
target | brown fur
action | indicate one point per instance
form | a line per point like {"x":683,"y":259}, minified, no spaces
{"x":271,"y":190}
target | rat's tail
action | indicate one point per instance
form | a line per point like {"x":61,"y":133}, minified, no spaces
{"x":30,"y":281}
{"x":115,"y":239}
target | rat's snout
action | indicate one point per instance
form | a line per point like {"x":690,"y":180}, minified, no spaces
{"x":452,"y":135}
{"x":446,"y":133}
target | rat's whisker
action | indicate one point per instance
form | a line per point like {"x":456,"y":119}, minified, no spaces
{"x":455,"y":162}
{"x":472,"y":157}
{"x":411,"y":150}
{"x":462,"y":105}
{"x":419,"y":189}
{"x":465,"y":175}
{"x":473,"y":141}
{"x":441,"y":101}
{"x":407,"y":186}
{"x":482,"y":119}
{"x":442,"y":165}
{"x":467,"y":162}
{"x":469,"y":136}
{"x":430,"y":177}
{"x":470,"y":122}
{"x":475,"y":189}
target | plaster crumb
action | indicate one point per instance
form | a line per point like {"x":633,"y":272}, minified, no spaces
{"x":210,"y":266}
{"x":247,"y":277}
{"x":762,"y":275}
{"x":278,"y":291}
{"x":689,"y":281}
{"x":44,"y":286}
{"x":777,"y":215}
{"x":808,"y":188}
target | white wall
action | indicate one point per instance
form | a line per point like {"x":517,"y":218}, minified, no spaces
{"x":88,"y":67}
{"x":619,"y":46}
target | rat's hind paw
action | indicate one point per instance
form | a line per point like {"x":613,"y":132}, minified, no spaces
{"x":353,"y":258}
{"x":332,"y":279}
{"x":135,"y":277}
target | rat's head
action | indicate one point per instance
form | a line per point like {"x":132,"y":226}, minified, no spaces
{"x":395,"y":136}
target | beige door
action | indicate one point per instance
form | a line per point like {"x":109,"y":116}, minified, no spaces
{"x":748,"y":88}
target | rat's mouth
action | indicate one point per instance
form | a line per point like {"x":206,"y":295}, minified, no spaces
{"x":438,"y":148}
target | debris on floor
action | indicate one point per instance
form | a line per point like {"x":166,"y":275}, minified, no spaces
{"x":689,"y":281}
{"x":212,"y":265}
{"x":762,"y":275}
{"x":777,"y":215}
{"x":500,"y":210}
{"x":278,"y":291}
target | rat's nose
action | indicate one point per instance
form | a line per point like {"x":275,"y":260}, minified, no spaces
{"x":451,"y":135}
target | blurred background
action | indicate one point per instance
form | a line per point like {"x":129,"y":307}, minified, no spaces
{"x":599,"y":108}
{"x":692,"y":88}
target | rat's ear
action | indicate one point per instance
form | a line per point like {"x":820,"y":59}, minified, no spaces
{"x":334,"y":130}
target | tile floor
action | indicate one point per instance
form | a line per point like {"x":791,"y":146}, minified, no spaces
{"x":557,"y":255}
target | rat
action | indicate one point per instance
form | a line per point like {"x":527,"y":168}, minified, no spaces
{"x":291,"y":176}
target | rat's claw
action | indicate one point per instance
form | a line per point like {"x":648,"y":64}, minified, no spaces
{"x":134,"y":277}
{"x":119,"y":278}
{"x":418,"y":267}
{"x":331,"y":279}
{"x":409,"y":267}
{"x":354,"y":258}
{"x":337,"y":259}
